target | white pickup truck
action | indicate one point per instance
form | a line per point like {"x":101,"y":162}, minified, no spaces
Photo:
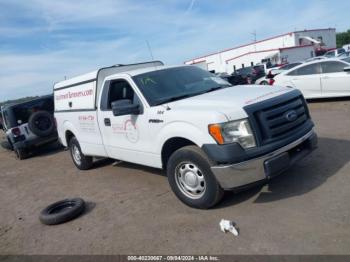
{"x":209,"y":136}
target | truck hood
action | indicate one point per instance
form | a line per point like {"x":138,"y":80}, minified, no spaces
{"x":229,"y":101}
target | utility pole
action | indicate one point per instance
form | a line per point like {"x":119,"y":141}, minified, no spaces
{"x":254,"y":35}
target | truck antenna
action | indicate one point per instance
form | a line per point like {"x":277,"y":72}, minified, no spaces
{"x":149,"y":49}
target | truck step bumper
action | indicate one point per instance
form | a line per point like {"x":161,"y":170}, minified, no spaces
{"x":264,"y":167}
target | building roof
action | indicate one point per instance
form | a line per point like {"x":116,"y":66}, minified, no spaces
{"x":253,"y":43}
{"x":267,"y":50}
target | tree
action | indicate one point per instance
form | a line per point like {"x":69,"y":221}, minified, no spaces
{"x":343,"y":38}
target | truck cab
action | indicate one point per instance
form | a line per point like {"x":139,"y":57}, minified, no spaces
{"x":207,"y":135}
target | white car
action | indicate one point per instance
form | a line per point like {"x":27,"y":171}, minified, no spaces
{"x":318,"y":79}
{"x":316,"y":58}
{"x":209,"y":136}
{"x":268,"y":79}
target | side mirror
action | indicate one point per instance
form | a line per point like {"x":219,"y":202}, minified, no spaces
{"x":347,"y":69}
{"x":125,"y":107}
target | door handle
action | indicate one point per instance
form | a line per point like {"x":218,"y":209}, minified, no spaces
{"x":107,"y":122}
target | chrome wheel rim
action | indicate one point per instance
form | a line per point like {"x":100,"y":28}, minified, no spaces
{"x":190,"y":180}
{"x":76,"y":154}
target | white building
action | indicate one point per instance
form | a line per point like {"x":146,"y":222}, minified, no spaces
{"x":289,"y":47}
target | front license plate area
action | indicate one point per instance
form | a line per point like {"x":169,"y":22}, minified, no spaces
{"x":276,"y":165}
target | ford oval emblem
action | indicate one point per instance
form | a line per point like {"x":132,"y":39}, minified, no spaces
{"x":291,"y":115}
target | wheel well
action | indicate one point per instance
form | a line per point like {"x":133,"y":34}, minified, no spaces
{"x":69,"y":135}
{"x":171,"y":145}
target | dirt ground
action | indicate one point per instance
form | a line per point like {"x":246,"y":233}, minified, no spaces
{"x":131,"y":209}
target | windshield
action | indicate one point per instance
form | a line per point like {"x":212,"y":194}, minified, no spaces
{"x":346,"y":59}
{"x":289,"y":66}
{"x":172,"y":84}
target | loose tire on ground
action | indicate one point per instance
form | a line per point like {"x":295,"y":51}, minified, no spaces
{"x":81,"y":161}
{"x":189,"y":168}
{"x":62,"y":211}
{"x":41,"y":123}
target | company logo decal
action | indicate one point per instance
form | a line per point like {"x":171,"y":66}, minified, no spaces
{"x":291,"y":115}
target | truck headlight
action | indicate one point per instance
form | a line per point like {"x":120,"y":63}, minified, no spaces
{"x":234,"y":131}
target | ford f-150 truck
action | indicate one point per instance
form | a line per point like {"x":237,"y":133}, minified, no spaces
{"x":209,"y":136}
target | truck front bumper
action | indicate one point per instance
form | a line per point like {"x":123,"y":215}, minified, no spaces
{"x":236,"y":175}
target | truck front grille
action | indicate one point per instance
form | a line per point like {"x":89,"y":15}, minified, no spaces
{"x":278,"y":118}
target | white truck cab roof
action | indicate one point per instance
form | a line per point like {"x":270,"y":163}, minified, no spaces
{"x":132,"y":69}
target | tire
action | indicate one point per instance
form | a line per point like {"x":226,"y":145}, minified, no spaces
{"x":81,"y":161}
{"x":41,"y":123}
{"x":62,"y":211}
{"x":21,"y":153}
{"x":264,"y":83}
{"x":202,"y":191}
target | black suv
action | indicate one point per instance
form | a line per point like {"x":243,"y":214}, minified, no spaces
{"x":247,"y":75}
{"x":29,"y":124}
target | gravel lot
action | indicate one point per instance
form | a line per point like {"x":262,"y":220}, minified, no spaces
{"x":131,"y":209}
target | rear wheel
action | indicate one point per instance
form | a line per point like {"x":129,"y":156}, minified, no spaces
{"x":79,"y":159}
{"x":191,"y":179}
{"x":21,"y":153}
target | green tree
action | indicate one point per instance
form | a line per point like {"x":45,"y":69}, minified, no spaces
{"x":343,"y":38}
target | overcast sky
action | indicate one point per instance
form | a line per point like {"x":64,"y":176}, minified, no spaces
{"x":42,"y":41}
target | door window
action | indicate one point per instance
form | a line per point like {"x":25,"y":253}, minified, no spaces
{"x":312,"y":69}
{"x":118,"y":90}
{"x":332,"y":67}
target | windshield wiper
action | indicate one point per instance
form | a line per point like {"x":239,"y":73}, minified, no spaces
{"x":214,"y":89}
{"x":171,"y":99}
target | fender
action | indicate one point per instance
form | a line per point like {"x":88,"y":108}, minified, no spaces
{"x":183,"y":130}
{"x":68,"y":126}
{"x":288,"y":84}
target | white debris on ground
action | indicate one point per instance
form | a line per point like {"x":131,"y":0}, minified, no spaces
{"x":117,"y":162}
{"x":228,"y":226}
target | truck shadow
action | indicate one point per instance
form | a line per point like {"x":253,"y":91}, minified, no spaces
{"x":330,"y":156}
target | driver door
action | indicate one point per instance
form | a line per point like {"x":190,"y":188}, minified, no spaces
{"x":126,"y":136}
{"x":307,"y":79}
{"x":335,"y":81}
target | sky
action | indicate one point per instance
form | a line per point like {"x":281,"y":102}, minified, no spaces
{"x":44,"y":41}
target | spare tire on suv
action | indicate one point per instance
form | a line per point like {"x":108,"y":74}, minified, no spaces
{"x":41,"y":123}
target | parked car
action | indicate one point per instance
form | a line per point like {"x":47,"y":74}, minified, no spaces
{"x":346,"y":59}
{"x":334,"y":53}
{"x":317,"y":79}
{"x":29,"y":124}
{"x":247,"y":75}
{"x":268,"y":79}
{"x":344,"y":55}
{"x":315,"y":58}
{"x":209,"y":136}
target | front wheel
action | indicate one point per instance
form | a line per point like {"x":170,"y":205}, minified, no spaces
{"x":191,"y":179}
{"x":79,"y":159}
